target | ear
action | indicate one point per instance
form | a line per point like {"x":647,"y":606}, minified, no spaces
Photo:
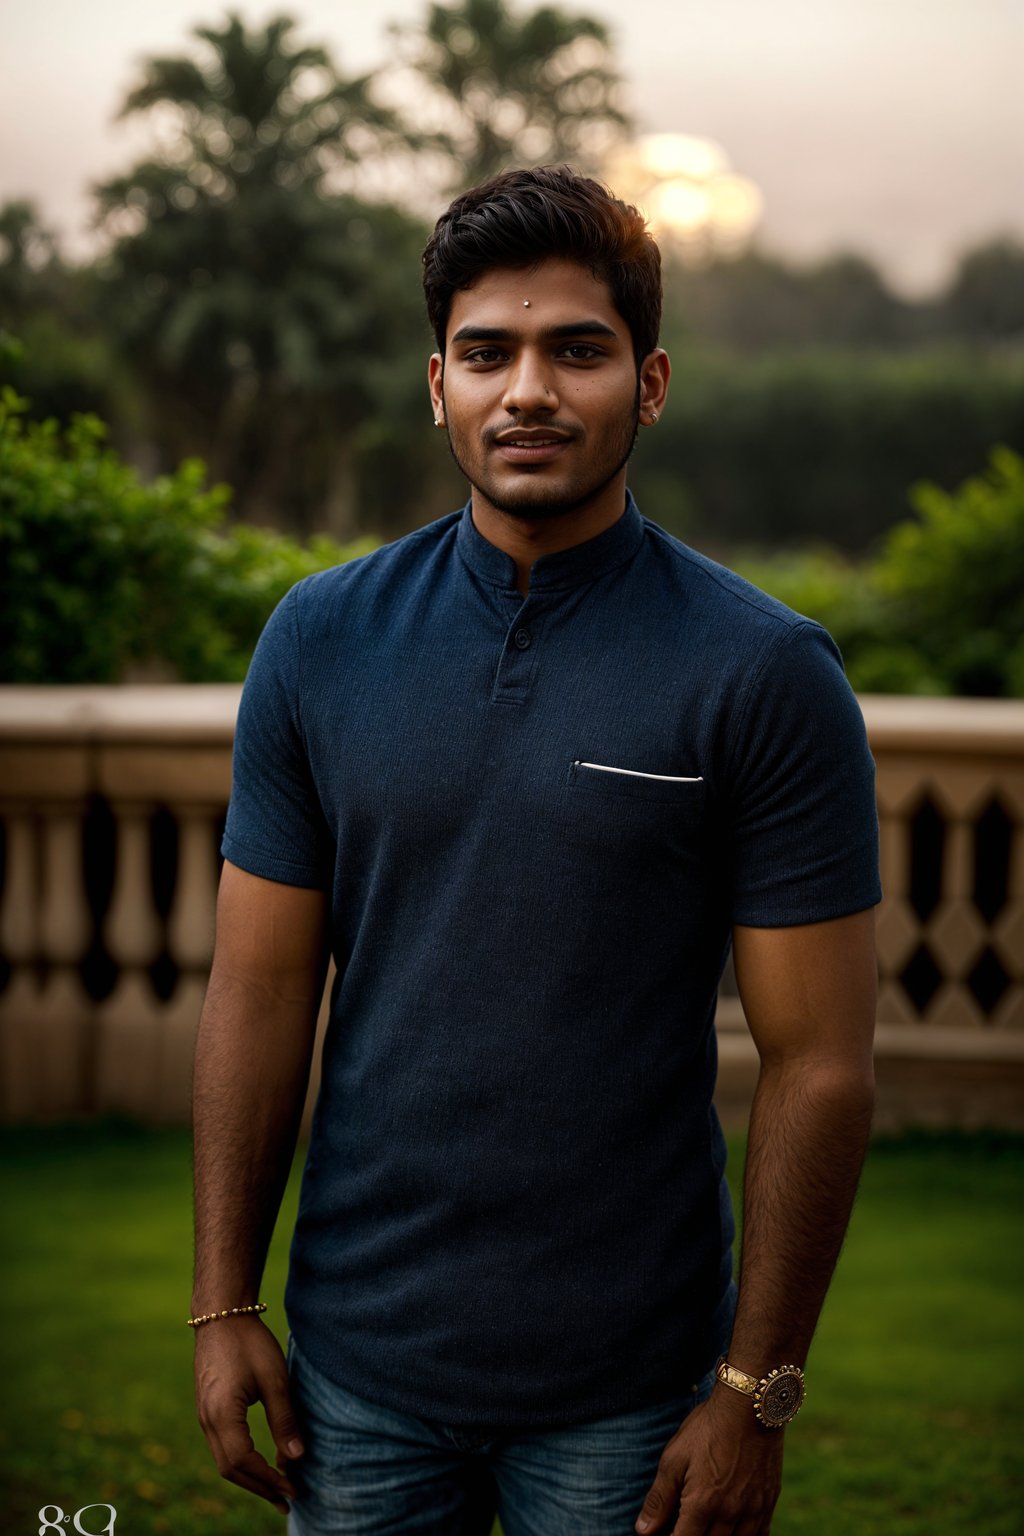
{"x":654,"y":376}
{"x":435,"y":381}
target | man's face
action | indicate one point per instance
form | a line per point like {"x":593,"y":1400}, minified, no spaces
{"x":539,"y":389}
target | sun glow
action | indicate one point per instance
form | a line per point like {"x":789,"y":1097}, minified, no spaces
{"x":693,"y":200}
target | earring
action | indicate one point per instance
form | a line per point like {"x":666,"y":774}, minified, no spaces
{"x":654,"y":417}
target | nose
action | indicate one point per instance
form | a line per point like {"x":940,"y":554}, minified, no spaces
{"x":529,"y":386}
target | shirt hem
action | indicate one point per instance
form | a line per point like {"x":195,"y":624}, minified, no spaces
{"x":794,"y":917}
{"x":282,"y":871}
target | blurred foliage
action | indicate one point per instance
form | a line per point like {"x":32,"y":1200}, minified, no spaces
{"x":834,"y":589}
{"x":940,"y":609}
{"x":953,"y":580}
{"x":514,"y":88}
{"x":985,"y":300}
{"x":51,"y":347}
{"x":786,"y":447}
{"x":265,"y":318}
{"x":275,"y":322}
{"x":253,"y":311}
{"x":757,"y":301}
{"x":29,"y":258}
{"x":103,"y":577}
{"x":255,"y":105}
{"x":66,"y":368}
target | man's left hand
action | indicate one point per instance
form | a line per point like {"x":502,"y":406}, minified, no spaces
{"x":719,"y":1475}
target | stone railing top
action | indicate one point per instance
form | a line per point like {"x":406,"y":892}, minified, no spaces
{"x":204,"y":714}
{"x":189,"y":714}
{"x":905,"y":722}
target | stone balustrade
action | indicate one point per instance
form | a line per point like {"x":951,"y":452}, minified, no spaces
{"x":112,"y":802}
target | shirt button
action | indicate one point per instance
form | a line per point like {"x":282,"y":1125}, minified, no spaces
{"x":523,"y":639}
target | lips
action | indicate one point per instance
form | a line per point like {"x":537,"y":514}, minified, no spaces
{"x":529,"y":442}
{"x":530,"y":445}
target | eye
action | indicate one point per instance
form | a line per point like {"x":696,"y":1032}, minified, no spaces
{"x":484,"y":355}
{"x":581,"y":352}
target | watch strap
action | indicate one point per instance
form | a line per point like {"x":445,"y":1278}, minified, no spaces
{"x":729,"y":1376}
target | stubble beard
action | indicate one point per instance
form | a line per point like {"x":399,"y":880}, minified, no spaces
{"x":574,"y":495}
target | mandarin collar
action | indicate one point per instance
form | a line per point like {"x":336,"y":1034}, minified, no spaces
{"x":567,"y":567}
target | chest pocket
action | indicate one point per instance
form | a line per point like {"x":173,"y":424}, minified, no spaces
{"x":632,"y":784}
{"x":638,"y":820}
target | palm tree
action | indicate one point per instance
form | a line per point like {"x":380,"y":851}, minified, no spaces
{"x":515,"y":89}
{"x":257,"y":108}
{"x":247,"y":296}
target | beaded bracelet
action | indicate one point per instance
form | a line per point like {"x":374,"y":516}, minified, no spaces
{"x":215,"y":1317}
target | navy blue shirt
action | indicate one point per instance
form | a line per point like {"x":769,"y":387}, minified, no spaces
{"x":538,"y":820}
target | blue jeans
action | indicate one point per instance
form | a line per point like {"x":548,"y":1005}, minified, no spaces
{"x":369,"y":1469}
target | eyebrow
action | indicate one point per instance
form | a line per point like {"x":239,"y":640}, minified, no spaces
{"x":553,"y":333}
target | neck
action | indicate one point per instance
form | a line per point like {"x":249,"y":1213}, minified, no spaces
{"x":526,"y":539}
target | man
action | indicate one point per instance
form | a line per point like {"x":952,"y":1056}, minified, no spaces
{"x":525,"y":773}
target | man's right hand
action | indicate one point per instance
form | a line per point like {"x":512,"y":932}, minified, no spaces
{"x":238,"y":1363}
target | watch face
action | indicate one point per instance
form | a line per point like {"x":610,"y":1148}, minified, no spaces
{"x":779,"y":1396}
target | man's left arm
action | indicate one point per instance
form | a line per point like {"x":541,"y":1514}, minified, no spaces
{"x":809,"y":996}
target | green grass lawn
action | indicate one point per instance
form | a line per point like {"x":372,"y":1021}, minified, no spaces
{"x":912,"y":1423}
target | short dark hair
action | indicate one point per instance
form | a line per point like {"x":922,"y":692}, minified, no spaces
{"x":521,"y":218}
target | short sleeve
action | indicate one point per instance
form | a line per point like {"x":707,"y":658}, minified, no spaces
{"x":275,"y":826}
{"x":802,"y":791}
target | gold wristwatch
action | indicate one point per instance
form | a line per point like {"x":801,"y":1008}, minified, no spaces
{"x":778,"y":1397}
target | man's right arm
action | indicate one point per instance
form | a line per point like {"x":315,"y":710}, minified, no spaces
{"x":253,"y":1056}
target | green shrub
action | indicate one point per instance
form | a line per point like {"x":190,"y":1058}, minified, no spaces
{"x":823,"y":584}
{"x":103,"y":577}
{"x":941,"y":608}
{"x":952,"y":580}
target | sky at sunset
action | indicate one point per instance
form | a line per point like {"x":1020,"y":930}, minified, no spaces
{"x":892,"y":127}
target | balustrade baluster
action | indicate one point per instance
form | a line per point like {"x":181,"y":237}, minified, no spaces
{"x":64,"y":1022}
{"x":19,"y":935}
{"x":128,"y":1066}
{"x":19,"y":912}
{"x":190,"y":933}
{"x":190,"y":926}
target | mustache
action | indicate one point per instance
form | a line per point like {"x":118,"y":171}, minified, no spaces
{"x":525,"y":423}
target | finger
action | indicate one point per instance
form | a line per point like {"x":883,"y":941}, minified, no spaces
{"x":699,"y":1517}
{"x":700,"y":1521}
{"x":257,"y":1476}
{"x":726,"y":1526}
{"x":662,"y":1501}
{"x":240,"y":1462}
{"x":281,"y":1418}
{"x":260,"y":1489}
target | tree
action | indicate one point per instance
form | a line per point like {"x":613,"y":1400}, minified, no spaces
{"x":985,"y":300}
{"x":51,"y":346}
{"x":759,"y":302}
{"x":257,"y":307}
{"x":514,"y":90}
{"x":255,"y":108}
{"x":28,"y":259}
